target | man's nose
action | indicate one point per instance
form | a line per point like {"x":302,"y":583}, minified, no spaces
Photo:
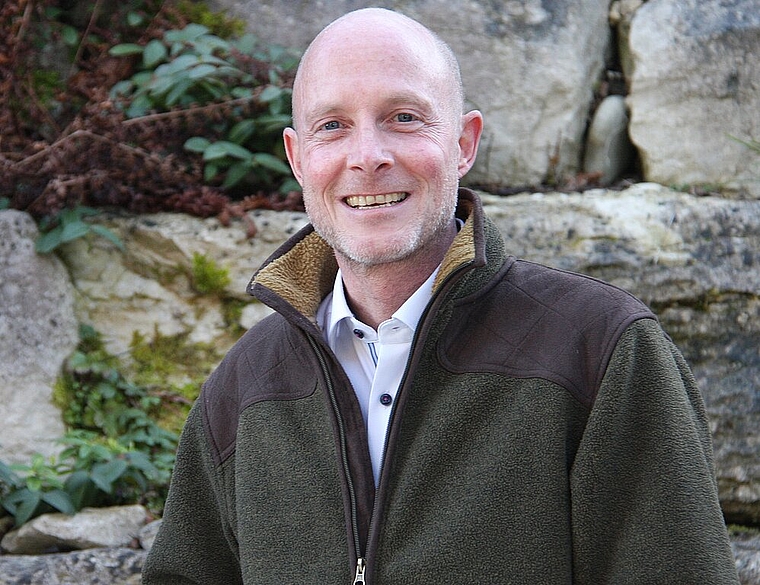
{"x":369,"y":150}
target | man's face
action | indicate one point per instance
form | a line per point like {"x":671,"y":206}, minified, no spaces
{"x":377,"y":149}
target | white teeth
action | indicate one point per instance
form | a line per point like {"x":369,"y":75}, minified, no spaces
{"x":375,"y":200}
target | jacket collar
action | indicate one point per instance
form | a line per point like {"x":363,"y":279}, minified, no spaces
{"x":300,"y":273}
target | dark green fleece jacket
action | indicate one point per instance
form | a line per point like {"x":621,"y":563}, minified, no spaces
{"x":546,"y":432}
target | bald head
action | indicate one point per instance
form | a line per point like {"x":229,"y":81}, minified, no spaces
{"x":360,"y":31}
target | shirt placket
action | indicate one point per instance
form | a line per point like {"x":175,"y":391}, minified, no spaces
{"x":391,"y":350}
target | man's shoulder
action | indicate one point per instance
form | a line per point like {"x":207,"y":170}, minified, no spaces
{"x":537,"y":321}
{"x":267,"y":363}
{"x":576,"y":297}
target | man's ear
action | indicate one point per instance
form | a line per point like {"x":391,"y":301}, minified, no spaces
{"x":290,"y":137}
{"x":469,"y":139}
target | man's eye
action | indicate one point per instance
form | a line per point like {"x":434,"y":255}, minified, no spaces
{"x":404,"y":117}
{"x":332,"y":125}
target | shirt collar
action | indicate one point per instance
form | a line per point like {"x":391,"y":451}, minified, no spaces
{"x":334,"y":307}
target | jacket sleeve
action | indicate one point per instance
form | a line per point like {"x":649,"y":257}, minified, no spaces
{"x":645,"y":503}
{"x":195,"y":543}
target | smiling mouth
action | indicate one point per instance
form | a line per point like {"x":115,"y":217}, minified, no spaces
{"x":385,"y":200}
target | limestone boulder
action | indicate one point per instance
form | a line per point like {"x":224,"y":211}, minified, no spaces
{"x":694,"y":91}
{"x":111,"y":527}
{"x":150,"y":285}
{"x":530,"y":67}
{"x":609,"y":152}
{"x":115,"y":566}
{"x":38,"y":329}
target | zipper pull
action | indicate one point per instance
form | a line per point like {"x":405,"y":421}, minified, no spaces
{"x":360,"y":568}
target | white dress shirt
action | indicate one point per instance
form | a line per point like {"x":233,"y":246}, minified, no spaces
{"x":373,"y":360}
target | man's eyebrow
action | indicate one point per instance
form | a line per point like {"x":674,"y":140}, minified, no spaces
{"x":402,"y":98}
{"x":318,"y":112}
{"x":394,"y":100}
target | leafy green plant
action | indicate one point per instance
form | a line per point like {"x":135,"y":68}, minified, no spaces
{"x":34,"y":489}
{"x":90,"y":471}
{"x":5,"y":203}
{"x":107,"y":471}
{"x":96,"y":396}
{"x":116,"y":451}
{"x":237,"y":161}
{"x":208,"y":277}
{"x":70,"y":225}
{"x":192,"y":67}
{"x":185,"y":67}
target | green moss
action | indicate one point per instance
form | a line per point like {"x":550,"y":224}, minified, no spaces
{"x":175,"y":368}
{"x":47,"y":84}
{"x":232,"y":311}
{"x":217,"y":22}
{"x":208,"y":277}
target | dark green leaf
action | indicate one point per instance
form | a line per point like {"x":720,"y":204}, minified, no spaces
{"x":197,"y":144}
{"x":202,"y":70}
{"x":225,"y":148}
{"x":271,"y":162}
{"x":105,"y":474}
{"x":139,"y":106}
{"x":236,"y":173}
{"x":70,"y":36}
{"x":80,"y":488}
{"x":60,"y":500}
{"x":270,"y":92}
{"x":155,"y":52}
{"x":273,"y":122}
{"x":134,"y":19}
{"x":210,"y":171}
{"x":177,"y":92}
{"x":48,"y":242}
{"x":245,"y":44}
{"x":141,"y":461}
{"x":104,"y":232}
{"x":241,"y":92}
{"x":188,"y":34}
{"x":22,"y":504}
{"x":242,"y":131}
{"x":74,"y":230}
{"x":8,"y":476}
{"x":125,"y":49}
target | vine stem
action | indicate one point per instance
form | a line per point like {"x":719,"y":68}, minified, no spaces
{"x":85,"y":34}
{"x":25,"y":20}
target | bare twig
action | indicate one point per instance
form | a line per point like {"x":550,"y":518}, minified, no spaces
{"x":90,"y":25}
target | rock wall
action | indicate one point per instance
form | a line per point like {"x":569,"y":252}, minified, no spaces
{"x":693,"y":259}
{"x":538,"y":70}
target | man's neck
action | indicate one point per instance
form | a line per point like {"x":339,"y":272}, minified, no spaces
{"x":374,"y":293}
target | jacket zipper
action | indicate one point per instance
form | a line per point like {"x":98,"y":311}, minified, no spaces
{"x":360,"y":568}
{"x":360,"y":562}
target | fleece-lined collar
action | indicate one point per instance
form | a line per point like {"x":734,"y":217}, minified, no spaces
{"x":302,"y":271}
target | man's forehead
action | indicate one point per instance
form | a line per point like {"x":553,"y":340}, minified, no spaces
{"x":369,"y":40}
{"x":345,"y":40}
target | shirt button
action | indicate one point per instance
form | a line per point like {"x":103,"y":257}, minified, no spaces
{"x":386,"y":399}
{"x":359,"y":333}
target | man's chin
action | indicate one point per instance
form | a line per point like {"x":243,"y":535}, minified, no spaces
{"x":370,"y":256}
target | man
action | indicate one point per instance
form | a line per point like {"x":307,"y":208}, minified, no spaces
{"x":423,"y":408}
